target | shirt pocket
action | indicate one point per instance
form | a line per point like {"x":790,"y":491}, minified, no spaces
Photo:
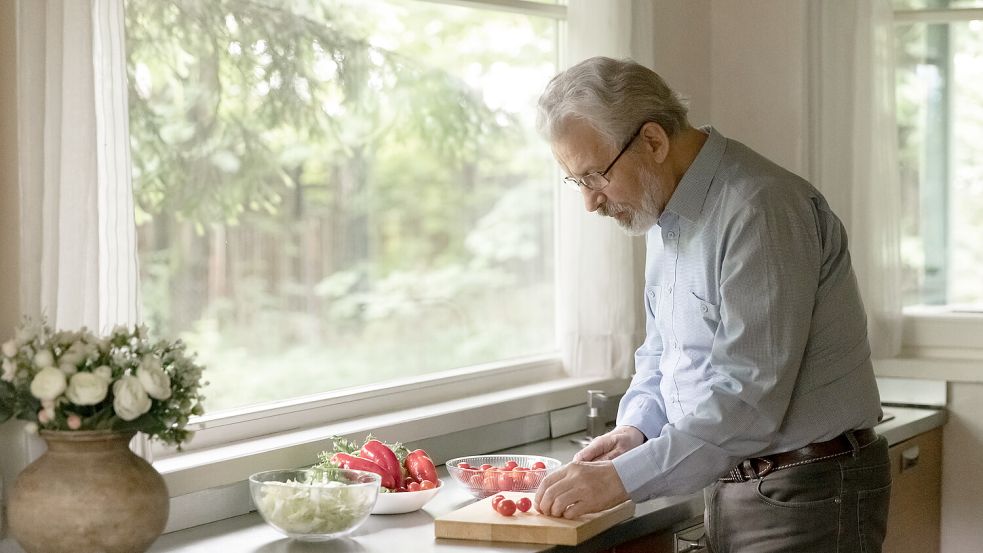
{"x":709,"y":312}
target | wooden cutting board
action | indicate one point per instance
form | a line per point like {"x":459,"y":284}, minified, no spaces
{"x":478,"y":521}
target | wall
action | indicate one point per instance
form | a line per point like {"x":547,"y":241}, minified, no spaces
{"x":680,"y":60}
{"x":10,"y":455}
{"x":757,"y":68}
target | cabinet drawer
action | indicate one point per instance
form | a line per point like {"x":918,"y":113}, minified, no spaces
{"x":914,"y":518}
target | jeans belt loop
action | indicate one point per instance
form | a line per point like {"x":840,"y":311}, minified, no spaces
{"x":854,"y":444}
{"x":766,"y":470}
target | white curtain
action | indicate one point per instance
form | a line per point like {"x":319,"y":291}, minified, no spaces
{"x":852,"y":148}
{"x":601,"y":270}
{"x":78,"y":244}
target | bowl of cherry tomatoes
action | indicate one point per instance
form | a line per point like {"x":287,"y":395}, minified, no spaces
{"x":486,"y":475}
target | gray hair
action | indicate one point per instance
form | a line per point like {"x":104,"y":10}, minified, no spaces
{"x":615,"y":97}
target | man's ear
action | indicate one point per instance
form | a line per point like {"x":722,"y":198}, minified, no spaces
{"x":656,"y":141}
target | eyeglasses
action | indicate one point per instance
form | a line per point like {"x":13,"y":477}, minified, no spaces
{"x":598,"y":179}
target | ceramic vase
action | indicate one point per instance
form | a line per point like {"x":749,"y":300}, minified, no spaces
{"x":88,"y":493}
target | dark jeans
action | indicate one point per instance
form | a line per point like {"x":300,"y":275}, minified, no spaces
{"x":833,"y":506}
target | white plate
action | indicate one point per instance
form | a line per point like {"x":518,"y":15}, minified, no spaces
{"x":404,"y":502}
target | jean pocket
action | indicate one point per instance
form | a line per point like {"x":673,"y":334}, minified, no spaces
{"x":794,"y":491}
{"x":872,"y":508}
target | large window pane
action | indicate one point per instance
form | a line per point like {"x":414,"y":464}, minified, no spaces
{"x":940,"y":125}
{"x":334,"y":193}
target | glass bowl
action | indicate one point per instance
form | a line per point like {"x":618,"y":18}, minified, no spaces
{"x":314,"y":504}
{"x":394,"y":503}
{"x":482,"y":483}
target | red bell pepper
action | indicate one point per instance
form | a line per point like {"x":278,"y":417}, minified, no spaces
{"x":420,"y":466}
{"x":347,"y":461}
{"x":380,"y":454}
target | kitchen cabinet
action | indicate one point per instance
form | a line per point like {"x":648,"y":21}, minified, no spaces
{"x":916,"y":490}
{"x":687,"y":537}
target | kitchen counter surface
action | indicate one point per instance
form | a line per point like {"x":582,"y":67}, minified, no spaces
{"x":414,"y":531}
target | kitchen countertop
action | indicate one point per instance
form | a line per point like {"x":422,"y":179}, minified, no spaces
{"x":388,"y":533}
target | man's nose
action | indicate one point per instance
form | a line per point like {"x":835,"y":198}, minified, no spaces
{"x":592,"y":199}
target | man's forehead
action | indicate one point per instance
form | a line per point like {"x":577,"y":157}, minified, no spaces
{"x":578,"y":147}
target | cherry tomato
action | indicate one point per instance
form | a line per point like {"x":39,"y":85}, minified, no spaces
{"x":486,"y":466}
{"x":523,"y":504}
{"x":413,"y":486}
{"x":496,"y":500}
{"x":427,"y":485}
{"x":490,"y":484}
{"x":475,"y":481}
{"x":506,"y":507}
{"x":511,"y":465}
{"x":532,"y":479}
{"x":463,"y":466}
{"x":505,"y":481}
{"x":539,"y":465}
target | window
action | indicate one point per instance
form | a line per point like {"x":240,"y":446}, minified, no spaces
{"x":334,"y":193}
{"x":940,"y":131}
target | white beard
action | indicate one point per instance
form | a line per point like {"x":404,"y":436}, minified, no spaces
{"x":636,"y":222}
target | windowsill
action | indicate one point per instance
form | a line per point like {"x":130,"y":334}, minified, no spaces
{"x":227,"y":464}
{"x":941,"y":333}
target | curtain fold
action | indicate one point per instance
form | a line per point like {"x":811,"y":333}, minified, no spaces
{"x":600,"y":269}
{"x":78,"y":242}
{"x":852,"y":148}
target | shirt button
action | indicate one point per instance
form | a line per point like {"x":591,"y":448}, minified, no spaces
{"x":651,"y":293}
{"x":704,"y":308}
{"x":671,"y":235}
{"x":670,"y":289}
{"x":675,"y":344}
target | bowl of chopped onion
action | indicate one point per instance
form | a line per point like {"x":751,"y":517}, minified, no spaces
{"x":314,"y":504}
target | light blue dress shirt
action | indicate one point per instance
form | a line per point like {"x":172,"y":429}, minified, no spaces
{"x":756,"y":337}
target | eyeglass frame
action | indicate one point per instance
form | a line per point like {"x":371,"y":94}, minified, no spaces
{"x":578,"y":182}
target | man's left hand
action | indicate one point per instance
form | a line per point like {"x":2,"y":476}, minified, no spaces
{"x":580,"y":488}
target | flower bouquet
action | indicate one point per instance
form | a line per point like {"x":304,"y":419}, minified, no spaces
{"x":74,"y":380}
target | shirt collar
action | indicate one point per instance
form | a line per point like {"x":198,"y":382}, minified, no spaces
{"x":691,"y":192}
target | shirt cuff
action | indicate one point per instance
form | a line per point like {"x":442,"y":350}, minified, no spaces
{"x":636,"y":468}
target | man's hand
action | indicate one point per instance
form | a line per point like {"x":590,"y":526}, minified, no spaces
{"x":611,"y":445}
{"x":580,"y":488}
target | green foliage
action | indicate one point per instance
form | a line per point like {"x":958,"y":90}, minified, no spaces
{"x":316,"y":183}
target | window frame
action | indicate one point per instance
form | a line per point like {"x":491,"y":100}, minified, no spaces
{"x":944,"y":331}
{"x":238,"y":428}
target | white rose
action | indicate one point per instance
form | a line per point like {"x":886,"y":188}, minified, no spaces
{"x":48,"y":384}
{"x":86,"y":389}
{"x":104,"y":372}
{"x":130,"y":400}
{"x":44,"y":358}
{"x":70,"y":357}
{"x":155,"y":381}
{"x":10,"y":348}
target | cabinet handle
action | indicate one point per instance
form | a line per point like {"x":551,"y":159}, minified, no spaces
{"x":909,"y":458}
{"x":690,"y":546}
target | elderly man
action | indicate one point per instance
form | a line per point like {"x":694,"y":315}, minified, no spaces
{"x":754,"y":381}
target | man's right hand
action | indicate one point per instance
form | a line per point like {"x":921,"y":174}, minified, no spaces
{"x":611,"y":445}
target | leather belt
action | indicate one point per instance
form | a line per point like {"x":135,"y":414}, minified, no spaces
{"x":850,"y":441}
